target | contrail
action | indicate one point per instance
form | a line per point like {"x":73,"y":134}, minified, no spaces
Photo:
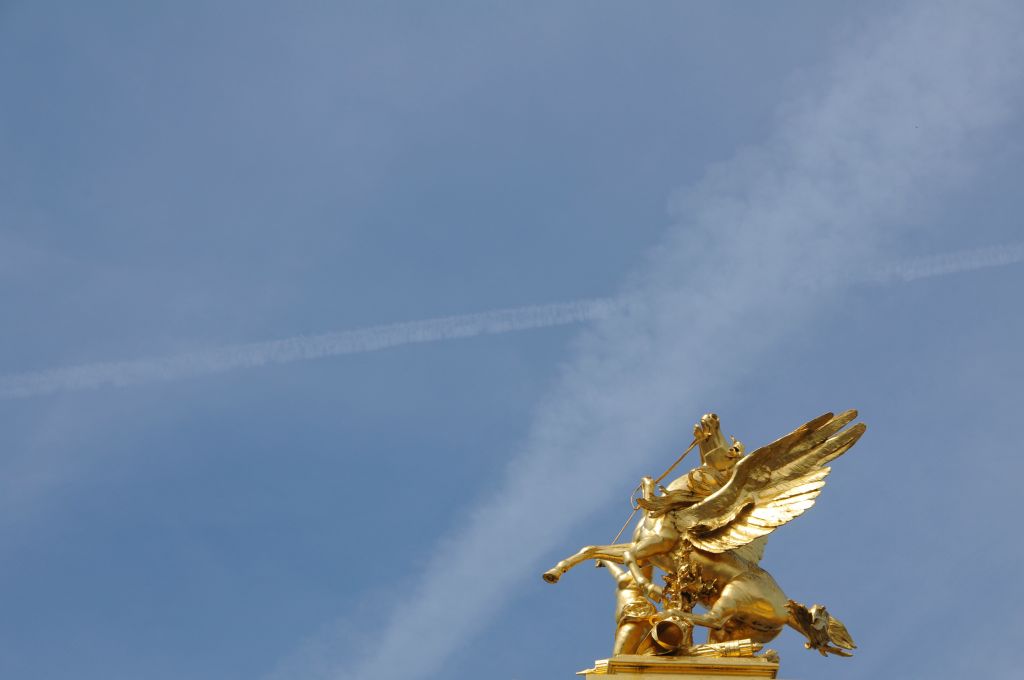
{"x":949,"y":263}
{"x":302,"y":347}
{"x":374,"y":338}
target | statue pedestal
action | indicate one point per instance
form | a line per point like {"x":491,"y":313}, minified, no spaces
{"x":628,"y":666}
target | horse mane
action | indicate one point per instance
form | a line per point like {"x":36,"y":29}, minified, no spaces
{"x":672,"y":500}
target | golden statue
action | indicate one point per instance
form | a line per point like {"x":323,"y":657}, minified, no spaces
{"x":706,"y":531}
{"x":633,"y":614}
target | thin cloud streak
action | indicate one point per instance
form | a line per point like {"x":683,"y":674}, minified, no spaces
{"x":375,"y":338}
{"x":897,"y":119}
{"x":302,"y":348}
{"x":949,"y":263}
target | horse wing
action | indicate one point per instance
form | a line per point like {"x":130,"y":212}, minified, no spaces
{"x":770,"y":487}
{"x":753,"y":551}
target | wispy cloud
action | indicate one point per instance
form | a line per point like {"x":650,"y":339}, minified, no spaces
{"x":374,"y":338}
{"x":897,"y":118}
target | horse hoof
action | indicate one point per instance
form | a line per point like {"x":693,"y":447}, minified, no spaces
{"x":552,"y":576}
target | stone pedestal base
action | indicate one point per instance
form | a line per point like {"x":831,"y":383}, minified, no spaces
{"x":689,"y":667}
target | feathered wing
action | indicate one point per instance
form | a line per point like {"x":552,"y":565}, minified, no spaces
{"x":753,"y":551}
{"x":771,"y":486}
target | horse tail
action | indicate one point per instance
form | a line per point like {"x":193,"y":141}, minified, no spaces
{"x":824,"y":632}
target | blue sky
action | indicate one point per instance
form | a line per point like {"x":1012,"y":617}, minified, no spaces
{"x":181,"y":179}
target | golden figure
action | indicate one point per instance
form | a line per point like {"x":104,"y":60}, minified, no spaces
{"x":633,"y":614}
{"x":707,"y":533}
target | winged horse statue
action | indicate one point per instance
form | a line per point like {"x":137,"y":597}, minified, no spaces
{"x":707,"y":530}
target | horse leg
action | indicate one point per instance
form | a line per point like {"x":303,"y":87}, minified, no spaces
{"x":612,"y":553}
{"x":728,"y":603}
{"x":650,"y":546}
{"x":751,"y":606}
{"x":713,"y":619}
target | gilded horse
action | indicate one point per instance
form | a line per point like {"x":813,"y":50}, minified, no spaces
{"x":708,"y":531}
